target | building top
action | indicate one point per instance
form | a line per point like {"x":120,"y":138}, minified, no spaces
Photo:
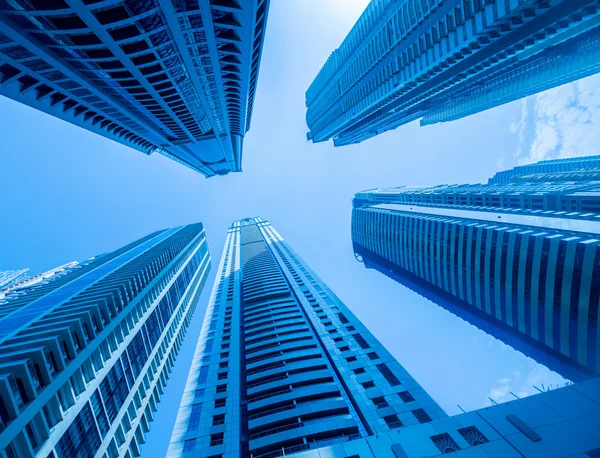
{"x":589,"y":164}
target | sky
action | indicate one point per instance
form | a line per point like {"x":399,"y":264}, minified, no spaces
{"x":69,"y":194}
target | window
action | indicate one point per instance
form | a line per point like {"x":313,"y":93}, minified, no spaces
{"x":222,"y":375}
{"x":345,"y":348}
{"x":351,"y":328}
{"x":369,"y":384}
{"x":338,"y":339}
{"x":388,"y":375}
{"x":406,"y":396}
{"x":421,"y":415}
{"x":473,"y":436}
{"x":393,"y":421}
{"x":194,"y":420}
{"x":445,"y":443}
{"x":199,"y":393}
{"x":360,"y":370}
{"x":351,"y":359}
{"x":218,"y":420}
{"x":343,"y":318}
{"x":220,"y":402}
{"x":225,"y":354}
{"x":203,"y":374}
{"x":221,"y":388}
{"x":223,"y":365}
{"x":216,"y":439}
{"x":189,"y":445}
{"x":380,"y":402}
{"x":362,"y":343}
{"x":372,"y":355}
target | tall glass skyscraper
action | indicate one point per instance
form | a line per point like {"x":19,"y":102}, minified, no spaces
{"x":170,"y":76}
{"x":282,"y":365}
{"x":441,"y":60}
{"x":520,"y":260}
{"x":85,"y":355}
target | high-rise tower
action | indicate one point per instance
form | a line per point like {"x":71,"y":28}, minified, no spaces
{"x":520,"y":260}
{"x":441,"y":60}
{"x":171,"y":76}
{"x":282,"y":365}
{"x":85,"y":355}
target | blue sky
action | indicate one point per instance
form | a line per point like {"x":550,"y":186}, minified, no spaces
{"x":69,"y":194}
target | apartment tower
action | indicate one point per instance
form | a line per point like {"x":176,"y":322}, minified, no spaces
{"x":520,"y":260}
{"x":441,"y":60}
{"x":175,"y":77}
{"x":282,"y":365}
{"x":85,"y":355}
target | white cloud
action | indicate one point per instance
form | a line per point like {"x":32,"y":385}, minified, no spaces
{"x":500,"y":393}
{"x":566,"y":122}
{"x":536,"y":378}
{"x":518,"y":127}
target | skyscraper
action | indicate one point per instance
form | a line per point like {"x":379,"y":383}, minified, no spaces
{"x":441,"y":60}
{"x":175,"y":77}
{"x":282,"y":365}
{"x":520,"y":260}
{"x":85,"y":356}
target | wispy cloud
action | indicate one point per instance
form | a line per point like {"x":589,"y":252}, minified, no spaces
{"x":518,"y":127}
{"x":536,"y":376}
{"x":566,"y":122}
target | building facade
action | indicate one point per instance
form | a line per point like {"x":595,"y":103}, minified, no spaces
{"x":441,"y":60}
{"x":520,"y":260}
{"x":175,"y":77}
{"x":85,"y":355}
{"x":282,"y":365}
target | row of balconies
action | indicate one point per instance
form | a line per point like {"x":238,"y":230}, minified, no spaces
{"x":251,"y":343}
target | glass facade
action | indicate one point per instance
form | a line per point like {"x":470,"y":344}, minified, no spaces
{"x":441,"y":60}
{"x":511,"y":258}
{"x":282,"y":365}
{"x":176,"y":77}
{"x":85,"y":355}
